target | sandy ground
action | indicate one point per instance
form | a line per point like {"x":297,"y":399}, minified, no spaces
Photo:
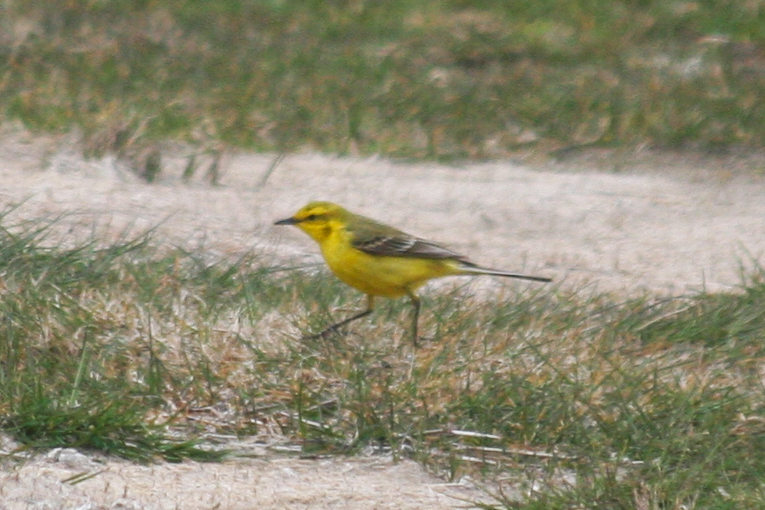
{"x":641,"y":222}
{"x":252,"y":484}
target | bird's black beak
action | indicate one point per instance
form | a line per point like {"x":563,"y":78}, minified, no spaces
{"x":287,"y":221}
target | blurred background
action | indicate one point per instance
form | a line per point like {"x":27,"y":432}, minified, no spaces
{"x":419,"y":79}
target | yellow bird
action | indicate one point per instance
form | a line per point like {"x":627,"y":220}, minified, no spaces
{"x":380,"y":260}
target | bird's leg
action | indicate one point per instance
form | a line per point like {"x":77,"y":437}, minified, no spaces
{"x":415,"y":316}
{"x":335,"y":327}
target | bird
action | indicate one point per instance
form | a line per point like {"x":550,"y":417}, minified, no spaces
{"x":379,"y":260}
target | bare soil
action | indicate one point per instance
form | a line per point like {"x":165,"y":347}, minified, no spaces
{"x":630,"y":223}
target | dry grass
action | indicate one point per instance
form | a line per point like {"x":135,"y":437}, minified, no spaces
{"x":559,"y":398}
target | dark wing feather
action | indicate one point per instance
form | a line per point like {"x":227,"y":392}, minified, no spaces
{"x":405,"y":247}
{"x":367,"y":237}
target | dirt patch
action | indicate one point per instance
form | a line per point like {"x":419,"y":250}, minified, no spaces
{"x":51,"y":482}
{"x":647,"y":222}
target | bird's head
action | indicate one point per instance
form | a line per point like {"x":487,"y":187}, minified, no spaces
{"x":317,"y":219}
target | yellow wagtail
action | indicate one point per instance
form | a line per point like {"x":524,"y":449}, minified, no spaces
{"x":380,"y":260}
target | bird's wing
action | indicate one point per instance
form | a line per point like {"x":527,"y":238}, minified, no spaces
{"x":378,"y":239}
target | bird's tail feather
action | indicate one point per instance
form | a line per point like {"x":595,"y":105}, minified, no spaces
{"x":473,"y":269}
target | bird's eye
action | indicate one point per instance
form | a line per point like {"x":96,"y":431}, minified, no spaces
{"x":310,"y":217}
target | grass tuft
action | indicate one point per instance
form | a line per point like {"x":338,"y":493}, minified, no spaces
{"x":114,"y":426}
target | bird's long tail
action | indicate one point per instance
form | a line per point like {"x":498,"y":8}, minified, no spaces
{"x":470,"y":268}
